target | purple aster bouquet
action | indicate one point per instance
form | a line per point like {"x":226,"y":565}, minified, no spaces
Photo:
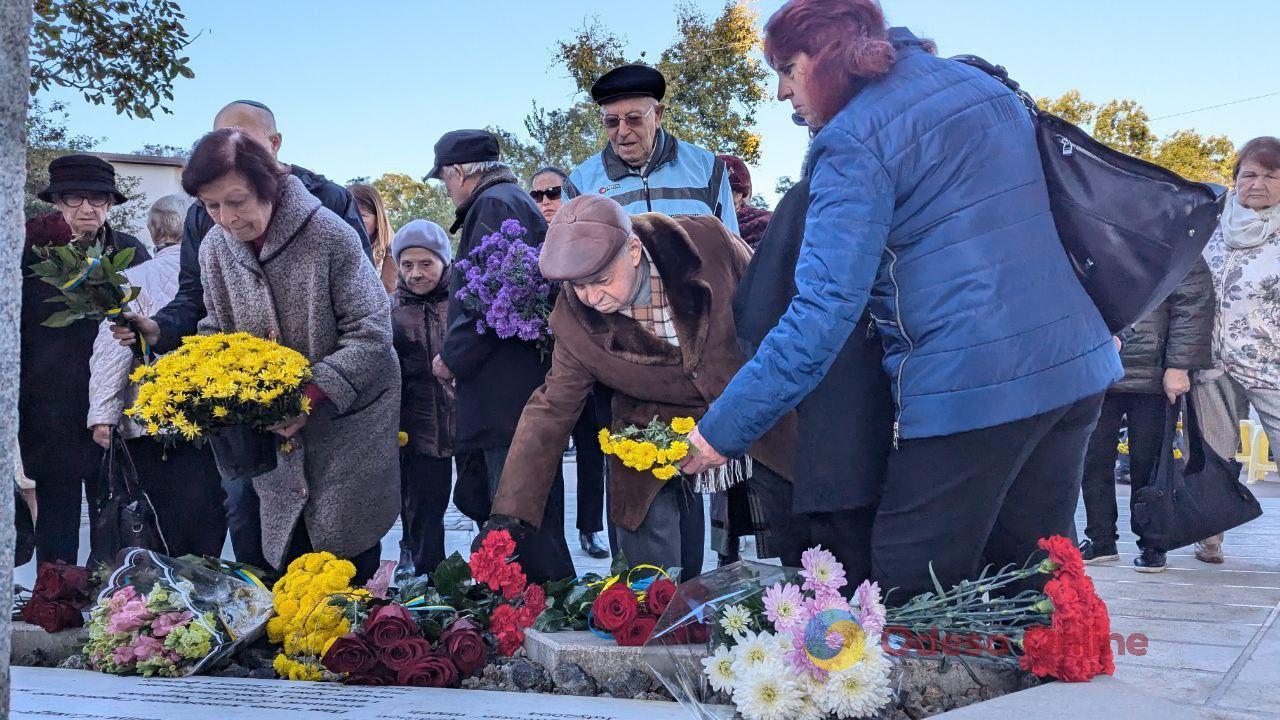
{"x":504,"y":285}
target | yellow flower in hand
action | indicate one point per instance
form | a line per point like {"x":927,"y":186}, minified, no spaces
{"x":665,"y":472}
{"x":683,"y":426}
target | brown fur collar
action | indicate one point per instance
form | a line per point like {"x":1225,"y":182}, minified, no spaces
{"x":679,"y":264}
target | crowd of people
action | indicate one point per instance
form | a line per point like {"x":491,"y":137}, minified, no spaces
{"x":898,"y":363}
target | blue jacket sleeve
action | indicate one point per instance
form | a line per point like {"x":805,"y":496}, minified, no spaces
{"x":846,"y":229}
{"x":728,"y":215}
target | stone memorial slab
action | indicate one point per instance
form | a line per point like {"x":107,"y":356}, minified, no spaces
{"x":601,"y":658}
{"x":41,"y":693}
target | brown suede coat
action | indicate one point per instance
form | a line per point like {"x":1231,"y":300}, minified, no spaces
{"x":700,"y":264}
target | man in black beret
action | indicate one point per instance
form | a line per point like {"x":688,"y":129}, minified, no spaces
{"x":53,"y":401}
{"x":645,"y":168}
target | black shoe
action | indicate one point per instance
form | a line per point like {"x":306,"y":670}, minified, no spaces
{"x":591,"y":546}
{"x":1097,"y":553}
{"x":1150,"y":561}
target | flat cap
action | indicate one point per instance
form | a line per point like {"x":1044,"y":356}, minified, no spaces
{"x":586,"y":234}
{"x":463,"y":146}
{"x":629,"y":81}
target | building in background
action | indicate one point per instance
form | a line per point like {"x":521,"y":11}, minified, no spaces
{"x":145,"y":179}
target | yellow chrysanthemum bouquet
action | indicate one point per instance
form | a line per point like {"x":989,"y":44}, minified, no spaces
{"x":313,"y":602}
{"x":224,"y":386}
{"x":656,"y":447}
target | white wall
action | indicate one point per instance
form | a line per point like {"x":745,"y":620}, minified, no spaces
{"x":156,"y":181}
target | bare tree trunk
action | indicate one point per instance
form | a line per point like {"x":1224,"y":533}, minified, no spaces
{"x":15,"y":29}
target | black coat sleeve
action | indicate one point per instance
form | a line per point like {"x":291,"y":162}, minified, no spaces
{"x":343,"y":204}
{"x":179,"y":318}
{"x":1191,"y":321}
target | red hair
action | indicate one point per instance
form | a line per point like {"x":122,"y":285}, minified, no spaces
{"x":847,"y":41}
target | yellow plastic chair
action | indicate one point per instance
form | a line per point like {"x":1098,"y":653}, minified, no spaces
{"x":1247,"y":431}
{"x":1261,"y":463}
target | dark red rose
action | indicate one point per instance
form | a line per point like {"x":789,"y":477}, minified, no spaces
{"x":434,"y":670}
{"x":660,"y":595}
{"x":614,"y":608}
{"x":59,"y":581}
{"x":379,"y":675}
{"x":465,"y":648}
{"x":636,"y":632}
{"x":401,"y":654}
{"x":349,"y":654}
{"x":390,"y":623}
{"x":52,"y":615}
{"x":464,"y":623}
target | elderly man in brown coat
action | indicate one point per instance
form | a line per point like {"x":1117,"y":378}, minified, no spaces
{"x":645,"y":310}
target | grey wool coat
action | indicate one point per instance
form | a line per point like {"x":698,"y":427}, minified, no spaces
{"x":315,"y":291}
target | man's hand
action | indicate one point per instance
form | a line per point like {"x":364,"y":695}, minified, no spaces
{"x":440,"y":370}
{"x":102,"y":435}
{"x":701,"y":455}
{"x":125,"y":335}
{"x":1119,"y":345}
{"x":1176,"y":384}
{"x":290,"y":428}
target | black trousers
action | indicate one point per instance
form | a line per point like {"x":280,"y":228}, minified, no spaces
{"x":300,"y":544}
{"x":544,"y":555}
{"x":244,"y":521}
{"x":590,"y":471}
{"x":425,"y":484}
{"x":186,"y":490}
{"x":985,"y":496}
{"x":63,"y":470}
{"x":1145,"y":415}
{"x":845,"y":533}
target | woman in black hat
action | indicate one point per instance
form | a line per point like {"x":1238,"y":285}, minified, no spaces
{"x":57,"y":451}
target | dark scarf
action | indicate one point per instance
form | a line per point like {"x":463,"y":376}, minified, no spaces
{"x":495,"y":177}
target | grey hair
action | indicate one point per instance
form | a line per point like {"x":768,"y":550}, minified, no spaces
{"x":485,"y":166}
{"x":165,"y":219}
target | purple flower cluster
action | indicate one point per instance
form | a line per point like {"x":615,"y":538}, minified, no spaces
{"x":503,"y":283}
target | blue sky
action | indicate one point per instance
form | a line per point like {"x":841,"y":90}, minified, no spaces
{"x":367,"y":88}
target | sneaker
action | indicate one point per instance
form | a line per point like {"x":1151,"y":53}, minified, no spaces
{"x":1150,"y":561}
{"x":1097,"y":553}
{"x":1211,"y":554}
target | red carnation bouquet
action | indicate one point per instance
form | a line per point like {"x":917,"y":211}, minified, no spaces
{"x":439,"y":629}
{"x":1063,"y":632}
{"x":60,"y":597}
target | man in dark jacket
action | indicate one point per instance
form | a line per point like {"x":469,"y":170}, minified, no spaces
{"x":494,"y":376}
{"x":1158,"y":352}
{"x":178,"y":319}
{"x":57,"y":452}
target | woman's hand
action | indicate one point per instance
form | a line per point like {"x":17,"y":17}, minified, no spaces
{"x":288,"y":429}
{"x":102,"y":435}
{"x":701,"y":455}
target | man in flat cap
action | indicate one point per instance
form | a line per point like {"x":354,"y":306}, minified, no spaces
{"x":645,"y":310}
{"x":53,"y":399}
{"x":644,"y":167}
{"x":494,"y":377}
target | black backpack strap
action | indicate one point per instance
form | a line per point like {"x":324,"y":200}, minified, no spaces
{"x":999,"y":73}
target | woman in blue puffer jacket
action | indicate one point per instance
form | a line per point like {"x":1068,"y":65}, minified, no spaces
{"x":929,"y":208}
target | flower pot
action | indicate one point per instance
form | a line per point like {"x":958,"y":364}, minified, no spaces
{"x":242,"y":452}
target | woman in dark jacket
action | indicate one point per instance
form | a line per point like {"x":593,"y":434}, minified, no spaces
{"x":419,"y":318}
{"x":1158,"y":352}
{"x":53,"y":402}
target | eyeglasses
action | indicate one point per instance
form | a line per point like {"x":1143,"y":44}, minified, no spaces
{"x":552,"y":193}
{"x":75,"y":200}
{"x":634,"y":120}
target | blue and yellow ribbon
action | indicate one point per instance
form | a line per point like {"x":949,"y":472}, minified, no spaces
{"x":79,"y":279}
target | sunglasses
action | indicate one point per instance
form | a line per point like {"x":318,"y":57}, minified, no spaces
{"x":549,"y":193}
{"x":75,"y":200}
{"x":634,"y":120}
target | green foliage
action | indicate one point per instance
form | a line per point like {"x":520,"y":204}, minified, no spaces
{"x":127,"y":52}
{"x":91,"y":281}
{"x":408,"y":199}
{"x":157,"y":150}
{"x":1123,"y":125}
{"x":714,"y":87}
{"x":783,"y":185}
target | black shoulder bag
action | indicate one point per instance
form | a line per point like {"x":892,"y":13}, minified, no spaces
{"x":1131,"y":229}
{"x":125,"y":517}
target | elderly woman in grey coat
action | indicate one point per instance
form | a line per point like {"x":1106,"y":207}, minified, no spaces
{"x":280,"y":266}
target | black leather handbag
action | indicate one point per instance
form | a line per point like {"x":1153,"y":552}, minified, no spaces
{"x":1131,"y":229}
{"x":1187,"y":502}
{"x":125,"y":517}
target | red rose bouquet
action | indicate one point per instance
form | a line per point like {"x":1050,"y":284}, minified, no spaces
{"x":60,"y":597}
{"x":625,"y":606}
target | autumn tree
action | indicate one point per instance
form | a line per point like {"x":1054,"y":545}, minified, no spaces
{"x":715,"y":85}
{"x":408,"y":199}
{"x":1125,"y":126}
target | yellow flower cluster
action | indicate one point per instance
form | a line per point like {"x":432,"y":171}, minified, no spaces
{"x":305,"y":622}
{"x":217,"y":380}
{"x":655,"y":448}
